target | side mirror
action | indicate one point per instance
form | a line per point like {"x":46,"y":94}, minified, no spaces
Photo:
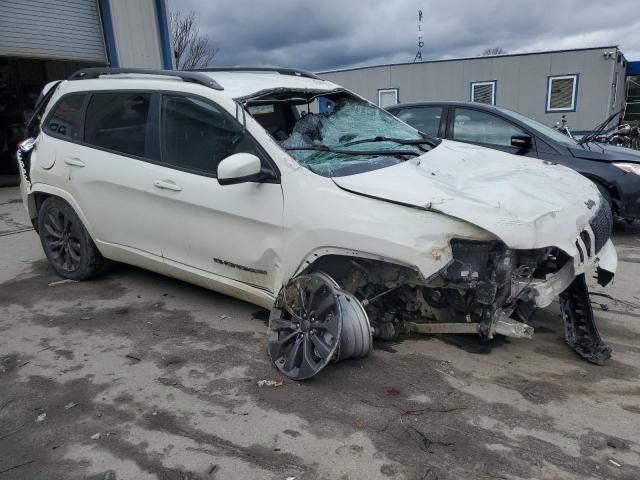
{"x":239,"y":168}
{"x":523,"y":142}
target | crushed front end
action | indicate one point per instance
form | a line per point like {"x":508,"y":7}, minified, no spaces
{"x":487,"y":289}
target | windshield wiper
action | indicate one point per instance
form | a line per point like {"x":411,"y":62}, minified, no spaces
{"x":401,"y":141}
{"x":324,"y":148}
{"x":593,"y":134}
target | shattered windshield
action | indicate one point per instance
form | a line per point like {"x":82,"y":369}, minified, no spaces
{"x":343,"y":136}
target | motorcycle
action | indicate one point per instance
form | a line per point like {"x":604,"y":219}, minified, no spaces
{"x":625,"y":135}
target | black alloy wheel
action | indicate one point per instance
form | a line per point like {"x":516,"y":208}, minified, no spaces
{"x":66,"y":242}
{"x":305,"y":326}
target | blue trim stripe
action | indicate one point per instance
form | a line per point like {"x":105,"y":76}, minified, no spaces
{"x":109,"y":35}
{"x":165,"y":39}
{"x":633,"y":68}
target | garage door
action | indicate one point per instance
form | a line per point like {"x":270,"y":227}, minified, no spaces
{"x":62,"y":29}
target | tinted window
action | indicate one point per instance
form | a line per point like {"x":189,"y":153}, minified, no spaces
{"x":119,"y":121}
{"x":480,"y":127}
{"x":425,"y":119}
{"x":196,"y":135}
{"x":64,"y":119}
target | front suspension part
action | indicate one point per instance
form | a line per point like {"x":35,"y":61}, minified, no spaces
{"x":580,"y":329}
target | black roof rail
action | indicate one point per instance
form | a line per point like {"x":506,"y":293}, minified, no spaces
{"x":186,"y":76}
{"x":282,"y":71}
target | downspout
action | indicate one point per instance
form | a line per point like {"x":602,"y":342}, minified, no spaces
{"x":165,"y":38}
{"x":109,"y":35}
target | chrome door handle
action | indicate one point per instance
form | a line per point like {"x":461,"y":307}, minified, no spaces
{"x":166,"y":185}
{"x":74,"y":162}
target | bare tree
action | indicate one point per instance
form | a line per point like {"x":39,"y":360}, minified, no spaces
{"x":190,"y":48}
{"x":493,"y":51}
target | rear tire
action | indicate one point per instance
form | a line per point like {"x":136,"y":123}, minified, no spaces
{"x":66,"y":242}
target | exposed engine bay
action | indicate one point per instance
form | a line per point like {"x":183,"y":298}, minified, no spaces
{"x":486,"y":290}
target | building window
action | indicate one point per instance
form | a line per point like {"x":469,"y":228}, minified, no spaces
{"x":483,"y":92}
{"x":387,"y":96}
{"x":561,"y":93}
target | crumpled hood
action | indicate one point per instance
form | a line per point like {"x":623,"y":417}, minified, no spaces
{"x":525,"y":202}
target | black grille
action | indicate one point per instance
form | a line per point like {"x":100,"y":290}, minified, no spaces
{"x":601,"y":224}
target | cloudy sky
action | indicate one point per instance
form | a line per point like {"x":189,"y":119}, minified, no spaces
{"x":327,"y":34}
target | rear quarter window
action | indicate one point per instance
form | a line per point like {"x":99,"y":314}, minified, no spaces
{"x":65,"y":117}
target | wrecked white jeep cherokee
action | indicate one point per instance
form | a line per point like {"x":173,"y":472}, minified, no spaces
{"x":287,"y":191}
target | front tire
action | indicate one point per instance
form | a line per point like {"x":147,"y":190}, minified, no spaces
{"x":66,"y":242}
{"x":607,"y":197}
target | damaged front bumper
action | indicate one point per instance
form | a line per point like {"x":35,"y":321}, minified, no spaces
{"x":543,"y":292}
{"x":505,"y":287}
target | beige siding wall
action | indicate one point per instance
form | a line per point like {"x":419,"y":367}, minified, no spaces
{"x":137,"y":33}
{"x":521,"y":82}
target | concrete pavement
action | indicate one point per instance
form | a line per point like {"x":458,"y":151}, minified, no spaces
{"x":156,"y":379}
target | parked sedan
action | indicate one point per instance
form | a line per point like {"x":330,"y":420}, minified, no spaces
{"x":615,"y":170}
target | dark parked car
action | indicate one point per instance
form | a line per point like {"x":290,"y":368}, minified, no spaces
{"x":615,"y":170}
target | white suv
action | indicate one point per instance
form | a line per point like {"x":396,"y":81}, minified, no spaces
{"x":292,"y":193}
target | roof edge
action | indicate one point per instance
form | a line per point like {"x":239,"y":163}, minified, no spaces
{"x":479,"y":57}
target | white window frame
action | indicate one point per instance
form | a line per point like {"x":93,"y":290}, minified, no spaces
{"x":388,"y":90}
{"x":574,"y":96}
{"x":493,"y":91}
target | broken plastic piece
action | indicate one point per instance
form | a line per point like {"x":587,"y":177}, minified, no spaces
{"x":512,"y":328}
{"x":580,"y":328}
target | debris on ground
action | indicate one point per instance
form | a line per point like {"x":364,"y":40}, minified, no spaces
{"x":41,"y":417}
{"x":358,"y":424}
{"x":224,"y":316}
{"x":61,"y":282}
{"x":70,"y":405}
{"x":213,"y":469}
{"x":95,"y":436}
{"x":109,"y":475}
{"x":269,"y":383}
{"x":617,"y":443}
{"x":614,"y":463}
{"x":133,"y":357}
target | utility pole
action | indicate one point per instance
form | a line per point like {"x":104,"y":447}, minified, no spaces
{"x":418,"y":57}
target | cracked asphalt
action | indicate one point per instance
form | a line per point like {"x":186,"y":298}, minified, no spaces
{"x":153,"y":378}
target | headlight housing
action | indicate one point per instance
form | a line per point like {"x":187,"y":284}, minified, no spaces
{"x":628,"y":167}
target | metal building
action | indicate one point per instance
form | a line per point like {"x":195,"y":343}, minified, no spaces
{"x":585,"y":85}
{"x":45,"y":40}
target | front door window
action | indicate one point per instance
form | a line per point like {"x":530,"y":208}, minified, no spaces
{"x":480,"y":127}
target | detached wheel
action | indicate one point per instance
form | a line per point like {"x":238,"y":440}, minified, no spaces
{"x":356,"y":340}
{"x":66,"y":243}
{"x":305,"y":326}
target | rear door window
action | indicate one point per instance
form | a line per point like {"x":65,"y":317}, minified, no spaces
{"x":425,"y":119}
{"x":64,"y":119}
{"x":119,"y":122}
